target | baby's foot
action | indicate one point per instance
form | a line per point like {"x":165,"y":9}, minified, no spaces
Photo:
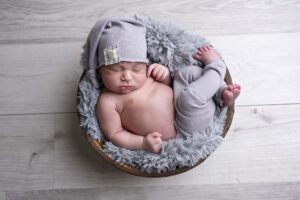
{"x":206,"y":54}
{"x":231,"y":93}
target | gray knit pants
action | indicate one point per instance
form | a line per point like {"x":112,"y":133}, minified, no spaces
{"x":195,"y":90}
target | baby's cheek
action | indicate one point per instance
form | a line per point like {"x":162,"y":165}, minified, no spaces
{"x":141,"y":80}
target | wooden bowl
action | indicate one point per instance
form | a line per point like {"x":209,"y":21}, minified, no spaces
{"x":98,"y":145}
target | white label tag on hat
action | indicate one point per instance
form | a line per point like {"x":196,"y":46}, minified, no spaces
{"x":111,"y":55}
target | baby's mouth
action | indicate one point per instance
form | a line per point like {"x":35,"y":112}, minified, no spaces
{"x":126,"y":87}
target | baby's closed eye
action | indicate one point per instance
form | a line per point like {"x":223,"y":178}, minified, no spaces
{"x":137,"y":69}
{"x":114,"y":68}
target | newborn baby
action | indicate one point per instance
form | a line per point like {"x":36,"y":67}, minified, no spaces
{"x":136,"y":106}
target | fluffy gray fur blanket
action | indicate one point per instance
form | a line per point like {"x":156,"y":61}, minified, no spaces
{"x":173,"y":47}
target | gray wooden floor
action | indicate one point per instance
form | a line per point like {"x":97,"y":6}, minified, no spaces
{"x":43,"y":155}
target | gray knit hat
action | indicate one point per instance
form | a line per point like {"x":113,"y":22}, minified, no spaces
{"x":122,"y":40}
{"x":112,"y":40}
{"x":116,"y":39}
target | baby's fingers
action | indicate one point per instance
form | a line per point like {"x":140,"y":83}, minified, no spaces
{"x":153,"y":70}
{"x":164,"y":75}
{"x":160,"y":74}
{"x":150,"y":69}
{"x":156,"y":134}
{"x":157,"y":139}
{"x":157,"y":147}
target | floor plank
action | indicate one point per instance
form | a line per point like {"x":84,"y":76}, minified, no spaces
{"x":76,"y":163}
{"x":2,"y":195}
{"x":262,"y":146}
{"x":267,"y":66}
{"x":43,"y":78}
{"x":26,"y":152}
{"x":279,"y":191}
{"x":27,"y":22}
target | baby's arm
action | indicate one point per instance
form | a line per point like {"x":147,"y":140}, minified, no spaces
{"x":160,"y":73}
{"x":112,"y":128}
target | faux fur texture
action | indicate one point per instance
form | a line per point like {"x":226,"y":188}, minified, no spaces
{"x":171,"y":46}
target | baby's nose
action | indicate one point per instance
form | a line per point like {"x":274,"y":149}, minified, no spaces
{"x":126,"y":76}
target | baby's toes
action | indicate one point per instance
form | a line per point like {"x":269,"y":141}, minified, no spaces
{"x":237,"y":87}
{"x":197,"y":57}
{"x":202,"y":49}
{"x":199,"y":53}
{"x":236,"y":92}
{"x":207,"y":48}
{"x":228,"y":98}
{"x":234,"y":86}
{"x":230,"y":87}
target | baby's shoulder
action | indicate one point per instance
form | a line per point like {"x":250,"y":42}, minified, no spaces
{"x":106,"y":98}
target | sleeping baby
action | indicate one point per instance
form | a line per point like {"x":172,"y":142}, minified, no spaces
{"x":136,"y":108}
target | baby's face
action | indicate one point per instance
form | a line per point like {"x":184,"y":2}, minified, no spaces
{"x":123,"y":77}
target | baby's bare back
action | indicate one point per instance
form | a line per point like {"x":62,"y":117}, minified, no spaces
{"x":148,"y":109}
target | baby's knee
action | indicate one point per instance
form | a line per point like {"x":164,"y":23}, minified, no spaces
{"x":189,"y":73}
{"x":192,"y":114}
{"x":187,"y":101}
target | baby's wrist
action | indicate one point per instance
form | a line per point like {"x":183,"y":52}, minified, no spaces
{"x":143,"y":145}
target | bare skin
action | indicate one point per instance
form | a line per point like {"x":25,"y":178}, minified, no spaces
{"x":206,"y":55}
{"x":136,"y":107}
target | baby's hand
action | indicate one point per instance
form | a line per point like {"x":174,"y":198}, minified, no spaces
{"x":206,"y":54}
{"x":158,"y":72}
{"x":152,"y":142}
